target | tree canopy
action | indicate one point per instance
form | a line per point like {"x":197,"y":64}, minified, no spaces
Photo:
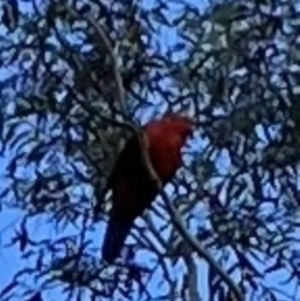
{"x":77,"y":75}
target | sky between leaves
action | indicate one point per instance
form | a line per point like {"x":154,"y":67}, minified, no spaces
{"x":9,"y":258}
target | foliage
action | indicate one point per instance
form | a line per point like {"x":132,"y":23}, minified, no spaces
{"x":234,"y":65}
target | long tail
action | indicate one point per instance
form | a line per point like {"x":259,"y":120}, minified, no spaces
{"x":114,"y":239}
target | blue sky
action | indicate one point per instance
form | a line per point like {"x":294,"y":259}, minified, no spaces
{"x":10,"y":258}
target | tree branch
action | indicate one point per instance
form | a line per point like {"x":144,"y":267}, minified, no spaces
{"x":195,"y":246}
{"x":144,"y":143}
{"x":103,"y":38}
{"x":192,"y":281}
{"x":120,"y":96}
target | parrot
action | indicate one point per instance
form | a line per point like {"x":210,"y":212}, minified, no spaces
{"x":133,"y":190}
